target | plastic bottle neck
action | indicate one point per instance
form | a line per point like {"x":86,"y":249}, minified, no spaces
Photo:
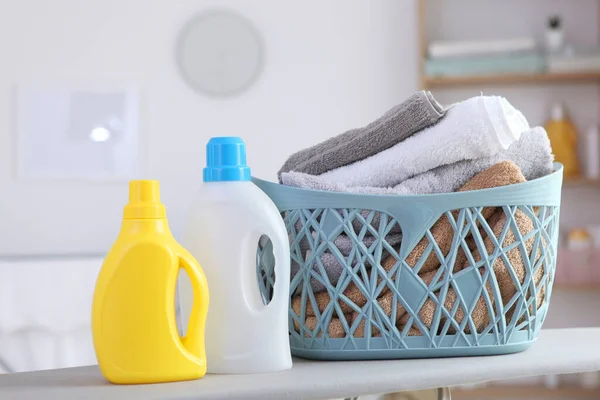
{"x":557,"y":112}
{"x":146,"y":225}
{"x":144,"y":201}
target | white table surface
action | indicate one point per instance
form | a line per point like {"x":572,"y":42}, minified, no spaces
{"x":558,"y":351}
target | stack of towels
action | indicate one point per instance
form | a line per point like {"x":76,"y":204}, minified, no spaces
{"x":420,"y":147}
{"x":484,"y":57}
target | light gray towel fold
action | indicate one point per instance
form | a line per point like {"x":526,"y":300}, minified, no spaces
{"x":345,"y":245}
{"x":532,"y":153}
{"x":333,"y":268}
{"x":416,"y":113}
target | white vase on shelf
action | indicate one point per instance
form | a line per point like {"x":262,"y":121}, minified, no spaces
{"x":590,"y":151}
{"x":555,"y":34}
{"x":551,"y":381}
{"x":589,"y":380}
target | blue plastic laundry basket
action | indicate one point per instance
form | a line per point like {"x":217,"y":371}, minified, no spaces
{"x":315,"y":219}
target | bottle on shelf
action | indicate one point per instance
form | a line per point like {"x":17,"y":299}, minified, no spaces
{"x":590,"y":151}
{"x":555,"y":34}
{"x":579,"y":243}
{"x":579,"y":239}
{"x":551,"y":381}
{"x":228,"y":218}
{"x":133,"y":313}
{"x":589,"y":380}
{"x":563,"y":138}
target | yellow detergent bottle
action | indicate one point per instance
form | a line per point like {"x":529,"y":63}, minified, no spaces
{"x":563,"y":138}
{"x":133,"y":314}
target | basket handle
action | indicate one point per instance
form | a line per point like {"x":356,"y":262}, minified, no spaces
{"x":193,"y":340}
{"x":272,"y":227}
{"x":281,"y":253}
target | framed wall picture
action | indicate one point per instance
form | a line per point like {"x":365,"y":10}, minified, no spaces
{"x":82,"y":133}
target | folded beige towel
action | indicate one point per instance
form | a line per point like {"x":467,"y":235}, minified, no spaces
{"x":480,"y":314}
{"x":507,"y":287}
{"x":334,"y":330}
{"x":501,"y":174}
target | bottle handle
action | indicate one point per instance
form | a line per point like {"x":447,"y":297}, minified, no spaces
{"x":281,"y":253}
{"x":193,"y":340}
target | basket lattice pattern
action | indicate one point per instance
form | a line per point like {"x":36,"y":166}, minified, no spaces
{"x":501,"y":286}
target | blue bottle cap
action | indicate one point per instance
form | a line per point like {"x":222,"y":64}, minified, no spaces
{"x":226,"y":160}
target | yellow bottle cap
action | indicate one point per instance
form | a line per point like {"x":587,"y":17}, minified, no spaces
{"x":144,"y":201}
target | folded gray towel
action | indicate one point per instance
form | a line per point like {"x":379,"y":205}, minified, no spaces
{"x":416,"y":113}
{"x":532,"y":153}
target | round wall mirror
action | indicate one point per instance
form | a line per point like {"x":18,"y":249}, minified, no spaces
{"x":220,"y":53}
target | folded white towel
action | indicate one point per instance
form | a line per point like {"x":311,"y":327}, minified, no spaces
{"x":454,"y":48}
{"x":475,"y":128}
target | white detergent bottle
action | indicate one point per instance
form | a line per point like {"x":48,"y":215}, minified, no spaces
{"x":227,"y":220}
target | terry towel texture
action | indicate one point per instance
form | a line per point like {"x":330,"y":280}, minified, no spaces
{"x":475,"y":128}
{"x":501,"y":174}
{"x":417,"y":112}
{"x":501,"y":272}
{"x":531,"y":153}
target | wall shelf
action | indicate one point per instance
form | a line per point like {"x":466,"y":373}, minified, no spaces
{"x":526,"y":392}
{"x":566,"y":286}
{"x":581,"y":182}
{"x":507,"y":79}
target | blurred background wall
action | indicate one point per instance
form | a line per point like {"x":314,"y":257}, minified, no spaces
{"x":330,"y":66}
